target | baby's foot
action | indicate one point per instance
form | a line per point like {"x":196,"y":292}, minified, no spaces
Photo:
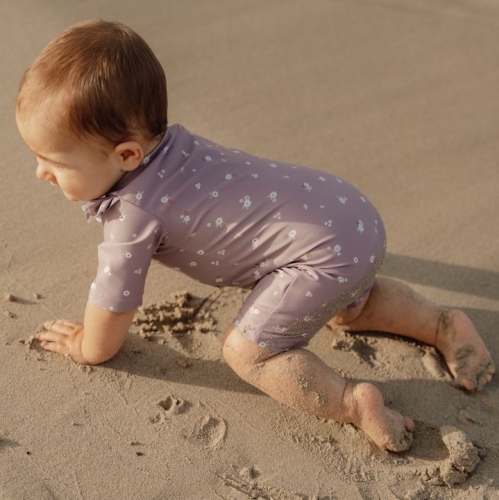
{"x":387,"y":428}
{"x":468,"y":359}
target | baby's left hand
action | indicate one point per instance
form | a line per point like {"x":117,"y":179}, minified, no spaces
{"x":63,"y":337}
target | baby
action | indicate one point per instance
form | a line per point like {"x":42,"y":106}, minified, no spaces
{"x":93,"y":109}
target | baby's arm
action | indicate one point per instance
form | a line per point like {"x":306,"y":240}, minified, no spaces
{"x":96,"y":341}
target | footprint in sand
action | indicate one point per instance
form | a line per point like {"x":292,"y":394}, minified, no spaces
{"x":172,"y":405}
{"x":211,"y":431}
{"x":169,"y":407}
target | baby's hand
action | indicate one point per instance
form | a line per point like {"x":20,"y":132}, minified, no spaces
{"x":64,"y":337}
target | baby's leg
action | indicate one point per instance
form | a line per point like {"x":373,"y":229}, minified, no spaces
{"x":299,"y":379}
{"x":395,"y":308}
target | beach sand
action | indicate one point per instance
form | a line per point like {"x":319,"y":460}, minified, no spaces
{"x":401,"y":98}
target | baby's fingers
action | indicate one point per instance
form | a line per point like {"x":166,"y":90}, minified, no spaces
{"x":57,"y":347}
{"x":61,"y":326}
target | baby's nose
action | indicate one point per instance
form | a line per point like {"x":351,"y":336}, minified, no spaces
{"x":43,"y":173}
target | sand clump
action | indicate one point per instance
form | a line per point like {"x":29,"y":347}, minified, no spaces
{"x":464,"y":456}
{"x":181,"y":314}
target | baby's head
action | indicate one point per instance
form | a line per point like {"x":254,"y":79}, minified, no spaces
{"x":97,"y":80}
{"x":91,"y":106}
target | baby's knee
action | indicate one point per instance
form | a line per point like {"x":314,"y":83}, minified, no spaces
{"x":241,"y":354}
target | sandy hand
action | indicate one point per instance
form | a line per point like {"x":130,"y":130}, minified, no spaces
{"x":468,"y":359}
{"x":63,"y":337}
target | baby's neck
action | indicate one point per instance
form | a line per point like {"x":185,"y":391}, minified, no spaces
{"x":149,"y":146}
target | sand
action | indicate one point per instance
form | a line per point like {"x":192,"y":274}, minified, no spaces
{"x":399,"y":97}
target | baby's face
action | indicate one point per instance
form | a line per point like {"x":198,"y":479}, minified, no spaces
{"x":83,"y":171}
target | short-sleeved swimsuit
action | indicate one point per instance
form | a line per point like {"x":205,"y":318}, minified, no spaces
{"x":307,"y":243}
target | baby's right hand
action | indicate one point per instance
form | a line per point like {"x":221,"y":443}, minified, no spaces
{"x":63,"y":337}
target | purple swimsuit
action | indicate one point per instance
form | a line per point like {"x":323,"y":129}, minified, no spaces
{"x":306,"y":242}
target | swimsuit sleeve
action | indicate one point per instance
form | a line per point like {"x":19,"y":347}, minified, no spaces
{"x":131,"y":237}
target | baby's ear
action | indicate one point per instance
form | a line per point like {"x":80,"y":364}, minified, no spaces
{"x":130,"y":154}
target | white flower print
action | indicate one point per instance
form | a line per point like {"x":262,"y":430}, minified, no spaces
{"x":107,"y":270}
{"x":254,"y":242}
{"x":307,"y":319}
{"x":322,"y":179}
{"x":272,"y":196}
{"x":193,"y":264}
{"x":363,"y":199}
{"x":126,"y":293}
{"x":254,"y":310}
{"x":207,"y":158}
{"x":309,"y":294}
{"x":200,"y":252}
{"x":214,"y":194}
{"x":166,"y":199}
{"x":146,"y":160}
{"x":341,"y":279}
{"x":328,"y":223}
{"x":196,"y":143}
{"x":322,"y":207}
{"x":165,"y":149}
{"x":292,"y":234}
{"x":372,"y":259}
{"x":161,"y":173}
{"x":134,"y":235}
{"x":122,"y":217}
{"x":280,"y":329}
{"x":265,"y":263}
{"x":208,"y":224}
{"x":342,"y":199}
{"x":185,"y":218}
{"x":263,"y":344}
{"x":236,"y":151}
{"x":273,"y":165}
{"x":306,"y":186}
{"x":246,"y":202}
{"x":198,"y":185}
{"x":219,"y":222}
{"x":280,"y":273}
{"x":185,"y":155}
{"x":355,"y":260}
{"x":255,"y":176}
{"x":221,"y":252}
{"x":128,"y":255}
{"x":277,"y":216}
{"x":229,"y":176}
{"x":248,"y":163}
{"x":215,"y":262}
{"x":219,"y":280}
{"x":257,"y":275}
{"x":340,"y":181}
{"x":139,"y":195}
{"x":93,"y":286}
{"x":360,"y":226}
{"x":138,"y":271}
{"x":336,"y":250}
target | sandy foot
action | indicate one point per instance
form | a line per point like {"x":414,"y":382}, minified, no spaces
{"x":387,"y":428}
{"x":468,"y":359}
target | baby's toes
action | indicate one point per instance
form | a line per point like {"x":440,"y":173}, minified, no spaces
{"x":486,"y":375}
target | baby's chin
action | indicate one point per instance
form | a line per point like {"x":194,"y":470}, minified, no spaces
{"x":71,"y":197}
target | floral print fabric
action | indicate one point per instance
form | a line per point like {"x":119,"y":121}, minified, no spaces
{"x":306,"y":242}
